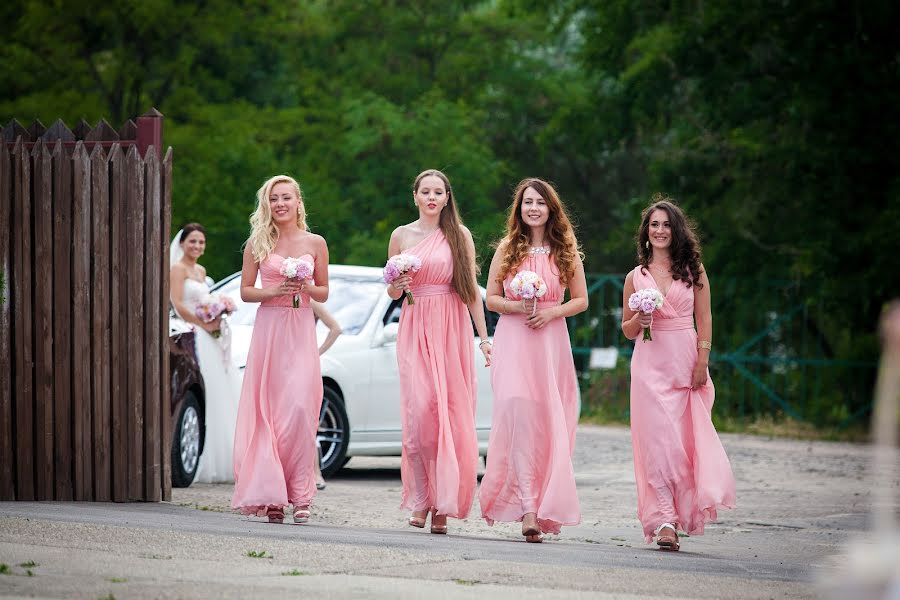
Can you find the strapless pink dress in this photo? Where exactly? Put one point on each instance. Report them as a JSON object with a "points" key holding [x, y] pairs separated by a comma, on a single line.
{"points": [[435, 354], [535, 414], [683, 475], [278, 416]]}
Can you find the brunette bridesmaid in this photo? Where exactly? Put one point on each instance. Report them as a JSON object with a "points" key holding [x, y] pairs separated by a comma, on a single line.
{"points": [[435, 355], [529, 476], [683, 475]]}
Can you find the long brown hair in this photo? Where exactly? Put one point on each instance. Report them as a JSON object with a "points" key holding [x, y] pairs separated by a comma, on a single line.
{"points": [[452, 227], [685, 246], [559, 231]]}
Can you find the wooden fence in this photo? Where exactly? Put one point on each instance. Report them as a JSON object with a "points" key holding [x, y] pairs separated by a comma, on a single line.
{"points": [[84, 392]]}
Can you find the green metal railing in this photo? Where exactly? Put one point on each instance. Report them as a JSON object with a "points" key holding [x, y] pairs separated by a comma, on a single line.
{"points": [[773, 354]]}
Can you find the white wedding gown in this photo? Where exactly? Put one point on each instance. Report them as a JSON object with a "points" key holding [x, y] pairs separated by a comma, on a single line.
{"points": [[223, 391]]}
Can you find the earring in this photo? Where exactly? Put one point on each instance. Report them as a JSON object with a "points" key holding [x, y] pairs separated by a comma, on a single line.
{"points": [[647, 244]]}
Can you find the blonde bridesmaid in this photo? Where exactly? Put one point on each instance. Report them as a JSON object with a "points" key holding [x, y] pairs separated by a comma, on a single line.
{"points": [[529, 476], [436, 357], [278, 416], [683, 475]]}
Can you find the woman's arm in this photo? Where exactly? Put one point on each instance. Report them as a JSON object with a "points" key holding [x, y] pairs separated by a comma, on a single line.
{"points": [[578, 300], [318, 289], [496, 301], [177, 277], [402, 283], [632, 322], [703, 316], [334, 329]]}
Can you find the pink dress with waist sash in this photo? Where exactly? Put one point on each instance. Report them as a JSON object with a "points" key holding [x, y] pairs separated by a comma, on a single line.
{"points": [[683, 475]]}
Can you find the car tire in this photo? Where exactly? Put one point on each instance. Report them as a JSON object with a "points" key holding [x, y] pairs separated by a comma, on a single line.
{"points": [[186, 442], [334, 432]]}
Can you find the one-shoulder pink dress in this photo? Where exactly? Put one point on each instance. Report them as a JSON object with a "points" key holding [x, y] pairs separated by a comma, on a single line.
{"points": [[278, 415], [435, 354], [535, 414], [683, 475]]}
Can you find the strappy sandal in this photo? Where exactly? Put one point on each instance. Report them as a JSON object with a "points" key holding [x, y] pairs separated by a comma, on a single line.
{"points": [[532, 533], [667, 541], [276, 515], [301, 514], [441, 529], [417, 521]]}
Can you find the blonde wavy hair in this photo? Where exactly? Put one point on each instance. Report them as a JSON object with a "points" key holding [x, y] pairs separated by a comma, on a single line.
{"points": [[263, 232], [559, 232], [451, 226]]}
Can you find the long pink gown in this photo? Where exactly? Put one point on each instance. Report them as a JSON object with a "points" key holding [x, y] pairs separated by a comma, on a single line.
{"points": [[535, 413], [278, 415], [683, 475], [435, 354]]}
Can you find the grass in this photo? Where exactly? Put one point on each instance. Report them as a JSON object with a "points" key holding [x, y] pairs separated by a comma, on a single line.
{"points": [[107, 597], [258, 554], [116, 580], [4, 569], [29, 564], [466, 581], [294, 573]]}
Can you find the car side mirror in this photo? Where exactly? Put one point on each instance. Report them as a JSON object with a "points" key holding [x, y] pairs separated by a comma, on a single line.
{"points": [[389, 333]]}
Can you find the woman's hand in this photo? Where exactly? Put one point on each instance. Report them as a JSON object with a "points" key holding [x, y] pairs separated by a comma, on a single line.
{"points": [[698, 377], [402, 283], [645, 319], [540, 318], [288, 287], [213, 325], [487, 348]]}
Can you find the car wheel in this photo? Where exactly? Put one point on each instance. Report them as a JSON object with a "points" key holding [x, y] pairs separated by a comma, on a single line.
{"points": [[334, 432], [186, 442]]}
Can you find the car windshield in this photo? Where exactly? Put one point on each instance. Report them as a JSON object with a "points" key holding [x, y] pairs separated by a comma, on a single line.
{"points": [[350, 300]]}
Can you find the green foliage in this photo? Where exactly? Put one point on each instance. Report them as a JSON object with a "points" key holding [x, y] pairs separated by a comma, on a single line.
{"points": [[770, 123]]}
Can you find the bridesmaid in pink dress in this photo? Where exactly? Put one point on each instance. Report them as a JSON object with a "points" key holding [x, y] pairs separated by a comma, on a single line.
{"points": [[683, 475], [529, 476], [278, 415], [435, 355]]}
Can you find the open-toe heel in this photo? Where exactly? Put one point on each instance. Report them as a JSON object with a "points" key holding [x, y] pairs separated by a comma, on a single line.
{"points": [[301, 514], [530, 528], [418, 519], [438, 523], [667, 537], [276, 515]]}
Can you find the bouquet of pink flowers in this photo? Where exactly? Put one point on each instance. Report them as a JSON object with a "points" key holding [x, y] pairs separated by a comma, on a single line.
{"points": [[212, 306], [398, 265], [646, 301], [297, 268], [528, 285]]}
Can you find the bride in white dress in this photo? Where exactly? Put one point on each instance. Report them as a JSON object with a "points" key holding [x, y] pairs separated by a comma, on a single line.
{"points": [[220, 376]]}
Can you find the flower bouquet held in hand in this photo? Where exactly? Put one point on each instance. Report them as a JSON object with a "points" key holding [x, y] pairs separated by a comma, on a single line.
{"points": [[401, 264], [297, 268], [213, 306], [528, 285], [646, 301]]}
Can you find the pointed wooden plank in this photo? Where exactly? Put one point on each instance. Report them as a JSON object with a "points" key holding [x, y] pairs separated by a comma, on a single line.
{"points": [[153, 332], [100, 331], [58, 131], [13, 130], [44, 369], [81, 306], [149, 132], [118, 324], [103, 132], [128, 131], [64, 453], [36, 129], [134, 267], [23, 343], [165, 373], [81, 129], [7, 460]]}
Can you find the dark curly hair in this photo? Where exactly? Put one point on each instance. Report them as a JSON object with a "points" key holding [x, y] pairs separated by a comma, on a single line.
{"points": [[685, 246]]}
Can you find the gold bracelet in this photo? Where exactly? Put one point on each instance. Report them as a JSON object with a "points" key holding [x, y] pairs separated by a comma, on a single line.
{"points": [[704, 344]]}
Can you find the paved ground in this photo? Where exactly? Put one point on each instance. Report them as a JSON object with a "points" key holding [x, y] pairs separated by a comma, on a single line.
{"points": [[799, 502]]}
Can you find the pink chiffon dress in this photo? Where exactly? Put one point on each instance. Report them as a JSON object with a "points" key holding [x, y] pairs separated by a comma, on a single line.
{"points": [[435, 355], [683, 475], [278, 415], [535, 414]]}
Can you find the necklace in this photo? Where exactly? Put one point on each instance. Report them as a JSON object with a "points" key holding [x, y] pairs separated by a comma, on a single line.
{"points": [[539, 250]]}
